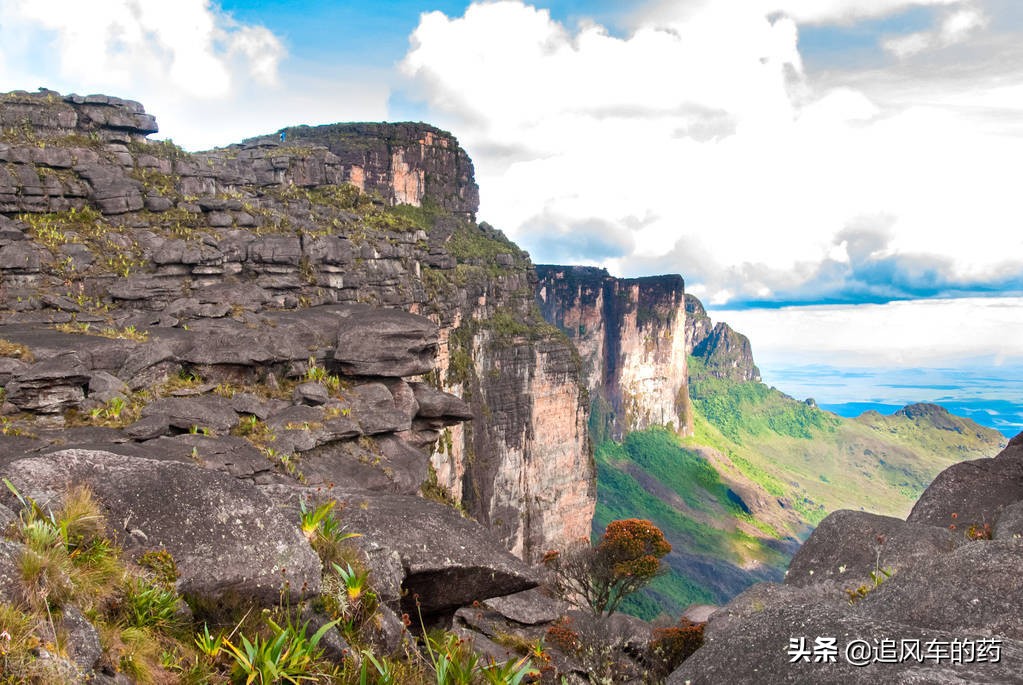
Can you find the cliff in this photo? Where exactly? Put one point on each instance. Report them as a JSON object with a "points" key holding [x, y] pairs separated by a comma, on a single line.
{"points": [[630, 335], [726, 354], [104, 230]]}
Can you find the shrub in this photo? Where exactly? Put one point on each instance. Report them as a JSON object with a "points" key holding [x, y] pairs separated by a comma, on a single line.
{"points": [[669, 647], [599, 578]]}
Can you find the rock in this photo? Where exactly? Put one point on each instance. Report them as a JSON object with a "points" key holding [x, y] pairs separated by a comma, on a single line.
{"points": [[311, 393], [49, 386], [757, 651], [699, 613], [975, 491], [210, 412], [1010, 523], [82, 639], [10, 570], [973, 591], [373, 407], [727, 354], [385, 342], [848, 546], [529, 608], [442, 408], [152, 426], [448, 561], [103, 382], [224, 534]]}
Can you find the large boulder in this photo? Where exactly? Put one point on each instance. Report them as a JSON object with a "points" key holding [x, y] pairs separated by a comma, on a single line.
{"points": [[420, 550], [971, 492], [848, 546], [764, 648], [974, 590], [385, 342], [226, 536]]}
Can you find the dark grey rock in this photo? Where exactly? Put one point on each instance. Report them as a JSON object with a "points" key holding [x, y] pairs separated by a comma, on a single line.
{"points": [[848, 546], [10, 570], [311, 393], [756, 651], [449, 561], [974, 590], [10, 367], [223, 533], [152, 426], [975, 491], [50, 385], [530, 608], [373, 407], [103, 382], [82, 643], [211, 412], [443, 408], [385, 342], [1010, 523]]}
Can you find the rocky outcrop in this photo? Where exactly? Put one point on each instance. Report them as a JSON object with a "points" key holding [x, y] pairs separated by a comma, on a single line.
{"points": [[869, 598], [224, 534], [630, 335], [404, 163], [725, 353], [230, 259]]}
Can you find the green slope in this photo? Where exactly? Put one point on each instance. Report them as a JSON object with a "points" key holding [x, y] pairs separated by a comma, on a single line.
{"points": [[760, 472]]}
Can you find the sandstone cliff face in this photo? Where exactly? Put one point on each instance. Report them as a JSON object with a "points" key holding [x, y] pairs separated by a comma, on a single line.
{"points": [[631, 337], [403, 163], [101, 227]]}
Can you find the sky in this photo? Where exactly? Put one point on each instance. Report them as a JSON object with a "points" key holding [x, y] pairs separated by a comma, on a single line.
{"points": [[836, 178]]}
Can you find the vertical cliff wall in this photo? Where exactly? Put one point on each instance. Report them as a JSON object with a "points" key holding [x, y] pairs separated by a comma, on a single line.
{"points": [[631, 338], [101, 227]]}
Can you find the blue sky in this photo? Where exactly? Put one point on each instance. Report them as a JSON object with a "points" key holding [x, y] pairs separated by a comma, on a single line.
{"points": [[781, 155]]}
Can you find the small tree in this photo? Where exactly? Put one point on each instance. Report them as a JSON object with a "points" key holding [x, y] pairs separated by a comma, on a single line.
{"points": [[626, 559]]}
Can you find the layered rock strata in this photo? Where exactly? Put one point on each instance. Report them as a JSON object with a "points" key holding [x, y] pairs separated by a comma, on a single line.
{"points": [[101, 228]]}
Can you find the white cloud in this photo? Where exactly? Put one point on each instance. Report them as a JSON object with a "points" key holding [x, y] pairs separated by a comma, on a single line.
{"points": [[909, 333], [209, 79], [955, 28], [187, 45], [746, 172]]}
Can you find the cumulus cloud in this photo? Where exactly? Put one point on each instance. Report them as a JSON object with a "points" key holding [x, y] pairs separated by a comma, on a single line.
{"points": [[208, 78], [188, 45], [702, 119]]}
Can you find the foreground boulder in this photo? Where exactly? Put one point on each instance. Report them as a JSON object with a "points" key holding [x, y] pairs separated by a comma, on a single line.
{"points": [[224, 534], [421, 551], [872, 599]]}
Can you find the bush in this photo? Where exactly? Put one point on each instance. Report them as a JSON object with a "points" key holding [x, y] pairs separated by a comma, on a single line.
{"points": [[599, 578], [671, 646]]}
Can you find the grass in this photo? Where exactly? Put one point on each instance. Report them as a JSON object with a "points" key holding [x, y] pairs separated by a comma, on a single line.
{"points": [[15, 350], [69, 560]]}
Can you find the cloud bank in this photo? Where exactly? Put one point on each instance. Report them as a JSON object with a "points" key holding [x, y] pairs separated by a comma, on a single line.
{"points": [[699, 144]]}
